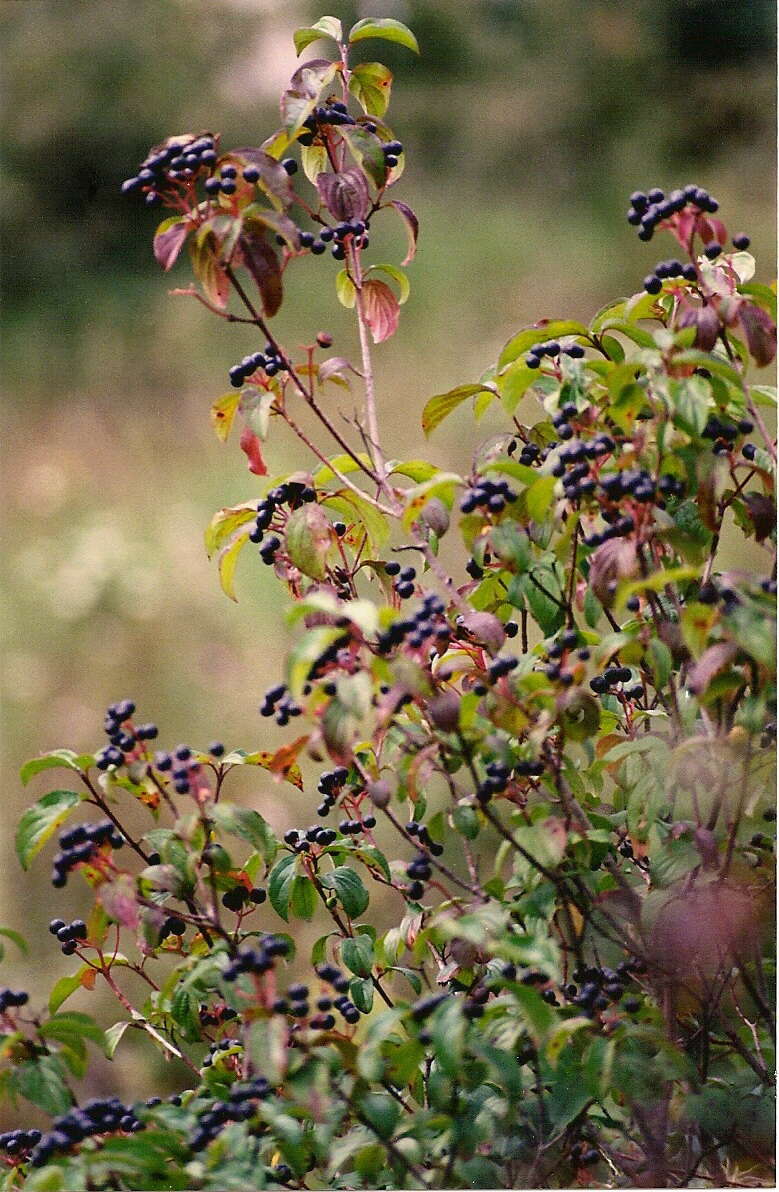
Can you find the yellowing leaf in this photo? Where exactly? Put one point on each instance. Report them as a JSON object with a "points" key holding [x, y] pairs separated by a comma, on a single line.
{"points": [[223, 413]]}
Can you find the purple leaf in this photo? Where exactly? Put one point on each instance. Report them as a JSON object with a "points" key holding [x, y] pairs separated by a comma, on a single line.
{"points": [[169, 240], [263, 264], [412, 228], [760, 331], [346, 194]]}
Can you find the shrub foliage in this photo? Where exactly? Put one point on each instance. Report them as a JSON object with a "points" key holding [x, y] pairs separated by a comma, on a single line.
{"points": [[539, 857]]}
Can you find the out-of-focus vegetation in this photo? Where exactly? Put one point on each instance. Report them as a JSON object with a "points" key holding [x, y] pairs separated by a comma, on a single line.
{"points": [[106, 589]]}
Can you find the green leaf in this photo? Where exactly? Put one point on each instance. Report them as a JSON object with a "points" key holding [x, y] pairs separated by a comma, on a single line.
{"points": [[313, 158], [366, 149], [225, 522], [325, 27], [523, 340], [302, 897], [357, 509], [308, 537], [385, 28], [268, 1047], [280, 885], [349, 888], [361, 993], [357, 954], [248, 825], [227, 561], [371, 85], [440, 406], [73, 1023], [16, 938], [62, 758], [381, 1111], [397, 275], [113, 1037], [344, 288], [514, 382], [41, 1081], [305, 653], [538, 499], [41, 821]]}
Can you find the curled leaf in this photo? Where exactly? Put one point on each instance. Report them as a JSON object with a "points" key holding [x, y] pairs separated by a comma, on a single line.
{"points": [[412, 228]]}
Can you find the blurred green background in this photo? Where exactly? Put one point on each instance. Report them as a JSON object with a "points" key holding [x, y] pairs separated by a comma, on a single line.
{"points": [[527, 123]]}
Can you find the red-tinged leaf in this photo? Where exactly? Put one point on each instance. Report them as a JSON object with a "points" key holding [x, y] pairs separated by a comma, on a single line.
{"points": [[250, 445], [710, 663], [712, 229], [346, 194], [263, 264], [762, 511], [118, 900], [613, 561], [760, 332], [207, 269], [169, 240], [412, 228], [706, 322], [334, 368], [381, 308]]}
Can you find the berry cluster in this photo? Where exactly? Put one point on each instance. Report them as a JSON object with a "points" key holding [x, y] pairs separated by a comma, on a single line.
{"points": [[215, 1016], [530, 454], [80, 845], [217, 1049], [330, 785], [179, 161], [182, 766], [270, 361], [552, 348], [301, 839], [335, 113], [236, 897], [392, 151], [429, 624], [256, 958], [599, 987], [653, 283], [239, 1107], [353, 231], [124, 738], [403, 578], [340, 983], [279, 703], [17, 1143], [68, 934], [418, 872], [491, 495], [724, 435], [498, 774], [11, 999], [650, 209], [94, 1117], [613, 676]]}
